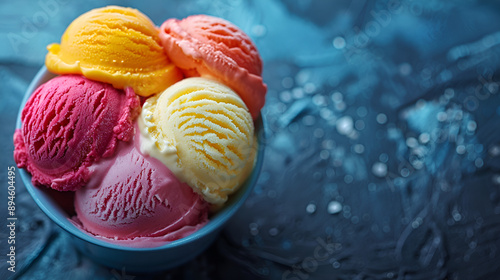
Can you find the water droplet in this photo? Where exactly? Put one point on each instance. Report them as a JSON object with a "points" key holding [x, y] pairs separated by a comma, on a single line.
{"points": [[309, 120], [496, 179], [360, 125], [441, 116], [309, 88], [449, 93], [362, 111], [337, 97], [461, 149], [405, 172], [354, 219], [471, 126], [424, 138], [405, 69], [415, 224], [326, 113], [479, 162], [381, 118], [319, 133], [348, 179], [287, 82], [334, 207], [443, 100], [297, 93], [336, 265], [358, 148], [345, 125], [285, 96], [273, 231], [379, 169], [328, 144], [319, 100], [492, 87], [383, 157], [311, 208], [259, 30], [416, 162], [340, 106], [339, 43], [471, 103], [411, 142], [324, 154]]}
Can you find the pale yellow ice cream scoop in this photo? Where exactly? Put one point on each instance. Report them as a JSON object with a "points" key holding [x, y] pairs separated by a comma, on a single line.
{"points": [[117, 45], [204, 133]]}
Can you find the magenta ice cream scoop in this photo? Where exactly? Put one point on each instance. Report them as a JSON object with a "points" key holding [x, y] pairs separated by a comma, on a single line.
{"points": [[137, 201], [68, 124]]}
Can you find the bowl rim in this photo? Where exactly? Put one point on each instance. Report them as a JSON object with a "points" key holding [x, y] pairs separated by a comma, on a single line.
{"points": [[215, 223]]}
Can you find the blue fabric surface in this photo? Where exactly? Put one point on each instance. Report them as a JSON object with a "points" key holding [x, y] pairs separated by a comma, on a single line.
{"points": [[383, 153]]}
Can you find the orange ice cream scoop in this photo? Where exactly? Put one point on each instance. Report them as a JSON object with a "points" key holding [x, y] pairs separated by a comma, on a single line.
{"points": [[117, 45], [203, 45]]}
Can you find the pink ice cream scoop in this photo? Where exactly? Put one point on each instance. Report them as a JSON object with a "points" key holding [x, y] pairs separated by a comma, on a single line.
{"points": [[68, 124], [203, 45], [135, 200]]}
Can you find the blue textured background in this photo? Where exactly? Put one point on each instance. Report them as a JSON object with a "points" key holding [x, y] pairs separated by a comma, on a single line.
{"points": [[383, 157]]}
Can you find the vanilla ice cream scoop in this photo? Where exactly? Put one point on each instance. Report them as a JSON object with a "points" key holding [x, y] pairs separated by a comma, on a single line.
{"points": [[204, 133]]}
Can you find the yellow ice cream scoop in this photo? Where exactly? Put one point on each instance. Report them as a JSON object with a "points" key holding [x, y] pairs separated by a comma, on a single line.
{"points": [[204, 133], [116, 45]]}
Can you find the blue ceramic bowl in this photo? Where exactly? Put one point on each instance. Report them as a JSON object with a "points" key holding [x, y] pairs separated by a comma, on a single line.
{"points": [[140, 259]]}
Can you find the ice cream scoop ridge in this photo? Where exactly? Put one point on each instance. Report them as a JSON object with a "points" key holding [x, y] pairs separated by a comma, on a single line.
{"points": [[203, 45], [69, 123], [135, 200], [116, 45], [201, 130]]}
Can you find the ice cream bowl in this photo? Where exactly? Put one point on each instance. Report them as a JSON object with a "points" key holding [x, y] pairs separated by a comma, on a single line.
{"points": [[143, 260]]}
